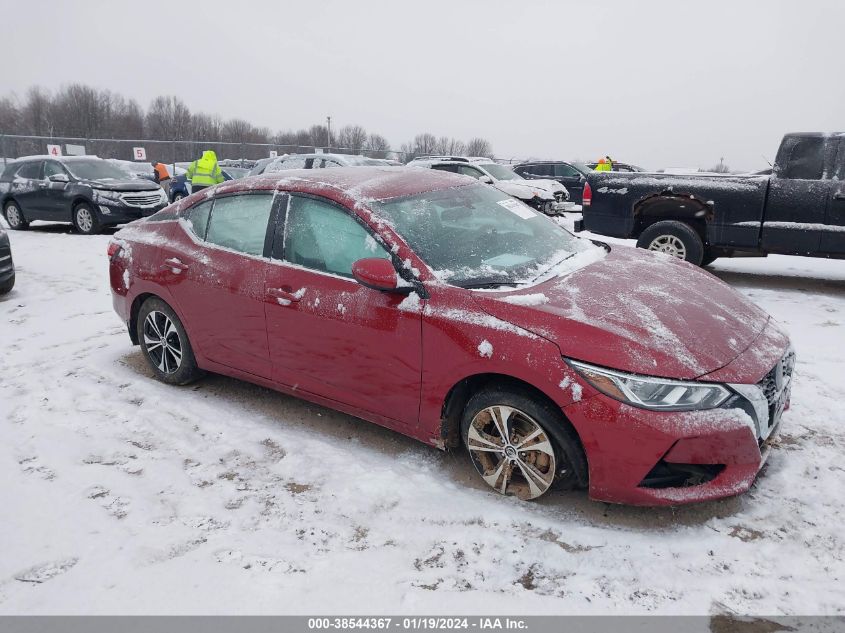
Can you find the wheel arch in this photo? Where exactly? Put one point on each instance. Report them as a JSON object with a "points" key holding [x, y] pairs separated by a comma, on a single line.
{"points": [[137, 302], [681, 207], [460, 393]]}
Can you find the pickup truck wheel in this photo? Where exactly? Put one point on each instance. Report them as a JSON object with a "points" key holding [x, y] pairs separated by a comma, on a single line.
{"points": [[673, 238]]}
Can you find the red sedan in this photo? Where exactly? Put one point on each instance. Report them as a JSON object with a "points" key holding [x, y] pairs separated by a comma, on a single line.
{"points": [[437, 306]]}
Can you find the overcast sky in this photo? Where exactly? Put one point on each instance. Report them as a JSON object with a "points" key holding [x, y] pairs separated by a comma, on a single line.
{"points": [[662, 84]]}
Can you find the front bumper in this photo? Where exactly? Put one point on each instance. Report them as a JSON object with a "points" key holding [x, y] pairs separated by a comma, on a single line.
{"points": [[111, 213], [645, 457]]}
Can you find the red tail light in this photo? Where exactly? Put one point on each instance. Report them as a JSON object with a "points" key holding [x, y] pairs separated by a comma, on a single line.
{"points": [[114, 249], [587, 198]]}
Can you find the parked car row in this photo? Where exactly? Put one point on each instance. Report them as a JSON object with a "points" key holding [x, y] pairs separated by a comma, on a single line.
{"points": [[546, 195], [438, 306]]}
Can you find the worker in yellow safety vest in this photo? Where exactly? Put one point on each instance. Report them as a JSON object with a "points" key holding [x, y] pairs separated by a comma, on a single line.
{"points": [[605, 164], [204, 172]]}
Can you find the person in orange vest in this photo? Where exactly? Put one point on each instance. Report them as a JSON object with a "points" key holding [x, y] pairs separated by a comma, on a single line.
{"points": [[162, 176]]}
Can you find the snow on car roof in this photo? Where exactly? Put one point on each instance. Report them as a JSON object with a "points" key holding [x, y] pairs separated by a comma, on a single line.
{"points": [[362, 183]]}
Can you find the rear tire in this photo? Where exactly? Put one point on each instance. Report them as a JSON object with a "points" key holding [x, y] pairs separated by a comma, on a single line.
{"points": [[85, 219], [520, 465], [14, 216], [6, 286], [165, 343], [674, 238]]}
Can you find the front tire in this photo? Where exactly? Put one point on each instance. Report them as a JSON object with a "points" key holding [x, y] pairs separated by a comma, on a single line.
{"points": [[165, 344], [674, 238], [521, 445], [85, 219], [14, 216]]}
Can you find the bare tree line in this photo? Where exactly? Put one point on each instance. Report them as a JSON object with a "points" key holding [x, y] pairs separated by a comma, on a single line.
{"points": [[81, 111]]}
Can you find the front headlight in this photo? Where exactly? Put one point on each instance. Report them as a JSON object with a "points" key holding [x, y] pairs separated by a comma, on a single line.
{"points": [[106, 195], [647, 392]]}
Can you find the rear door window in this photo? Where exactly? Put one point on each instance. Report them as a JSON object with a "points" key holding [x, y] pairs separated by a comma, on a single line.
{"points": [[324, 237], [562, 170], [239, 222], [30, 170], [805, 159], [197, 217]]}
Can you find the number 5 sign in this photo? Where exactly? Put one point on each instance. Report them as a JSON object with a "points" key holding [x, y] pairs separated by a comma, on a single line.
{"points": [[139, 153]]}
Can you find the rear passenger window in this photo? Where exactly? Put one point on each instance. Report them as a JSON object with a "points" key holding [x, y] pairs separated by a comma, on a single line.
{"points": [[321, 236], [240, 222], [545, 170], [30, 170], [469, 171], [805, 160], [197, 217]]}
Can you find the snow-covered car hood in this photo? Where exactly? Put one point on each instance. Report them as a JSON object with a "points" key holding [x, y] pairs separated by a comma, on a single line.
{"points": [[121, 185], [527, 189], [636, 311]]}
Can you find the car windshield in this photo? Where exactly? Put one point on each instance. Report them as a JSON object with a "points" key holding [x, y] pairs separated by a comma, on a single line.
{"points": [[95, 170], [501, 172], [476, 236]]}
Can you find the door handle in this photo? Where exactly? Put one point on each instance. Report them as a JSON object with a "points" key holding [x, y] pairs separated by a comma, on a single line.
{"points": [[175, 264], [839, 195], [283, 297]]}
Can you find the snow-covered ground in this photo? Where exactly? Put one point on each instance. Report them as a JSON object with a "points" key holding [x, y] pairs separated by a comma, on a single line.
{"points": [[123, 495]]}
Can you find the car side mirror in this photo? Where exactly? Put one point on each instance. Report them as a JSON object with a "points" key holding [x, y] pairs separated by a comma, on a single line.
{"points": [[59, 178], [486, 180], [376, 273]]}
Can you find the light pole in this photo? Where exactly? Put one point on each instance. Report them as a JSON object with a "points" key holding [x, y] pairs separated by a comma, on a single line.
{"points": [[328, 133]]}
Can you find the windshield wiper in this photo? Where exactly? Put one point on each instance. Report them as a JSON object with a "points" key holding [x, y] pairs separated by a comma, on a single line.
{"points": [[486, 283]]}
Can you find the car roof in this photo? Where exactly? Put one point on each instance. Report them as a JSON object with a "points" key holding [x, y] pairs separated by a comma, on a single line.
{"points": [[452, 159], [354, 184]]}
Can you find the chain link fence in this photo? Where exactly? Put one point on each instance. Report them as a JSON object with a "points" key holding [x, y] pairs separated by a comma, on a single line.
{"points": [[14, 146]]}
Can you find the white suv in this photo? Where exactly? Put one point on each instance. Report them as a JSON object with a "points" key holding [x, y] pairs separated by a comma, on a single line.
{"points": [[547, 196]]}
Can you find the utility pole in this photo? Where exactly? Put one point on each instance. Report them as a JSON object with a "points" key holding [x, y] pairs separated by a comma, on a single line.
{"points": [[328, 133]]}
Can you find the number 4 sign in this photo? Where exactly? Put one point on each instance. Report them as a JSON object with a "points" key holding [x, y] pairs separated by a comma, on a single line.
{"points": [[139, 153], [54, 150]]}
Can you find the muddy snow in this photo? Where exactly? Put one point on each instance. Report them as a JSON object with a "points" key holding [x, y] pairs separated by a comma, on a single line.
{"points": [[124, 495]]}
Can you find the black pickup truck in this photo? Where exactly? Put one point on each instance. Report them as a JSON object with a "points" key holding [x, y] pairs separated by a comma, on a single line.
{"points": [[797, 210]]}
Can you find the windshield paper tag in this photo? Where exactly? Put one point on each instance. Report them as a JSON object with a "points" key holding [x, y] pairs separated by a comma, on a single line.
{"points": [[517, 208]]}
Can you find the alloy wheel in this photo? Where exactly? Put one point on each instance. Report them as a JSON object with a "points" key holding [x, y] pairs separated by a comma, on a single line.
{"points": [[511, 451], [670, 245], [84, 219], [162, 342], [13, 216]]}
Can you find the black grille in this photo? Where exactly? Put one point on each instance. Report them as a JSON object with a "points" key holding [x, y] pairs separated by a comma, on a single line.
{"points": [[769, 384]]}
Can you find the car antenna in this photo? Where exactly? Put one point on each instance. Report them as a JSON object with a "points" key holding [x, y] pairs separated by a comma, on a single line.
{"points": [[767, 160]]}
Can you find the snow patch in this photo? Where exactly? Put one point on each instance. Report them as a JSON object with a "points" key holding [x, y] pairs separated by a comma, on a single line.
{"points": [[485, 349], [535, 299]]}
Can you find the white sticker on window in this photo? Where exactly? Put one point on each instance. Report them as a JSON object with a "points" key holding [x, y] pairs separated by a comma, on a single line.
{"points": [[518, 208]]}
